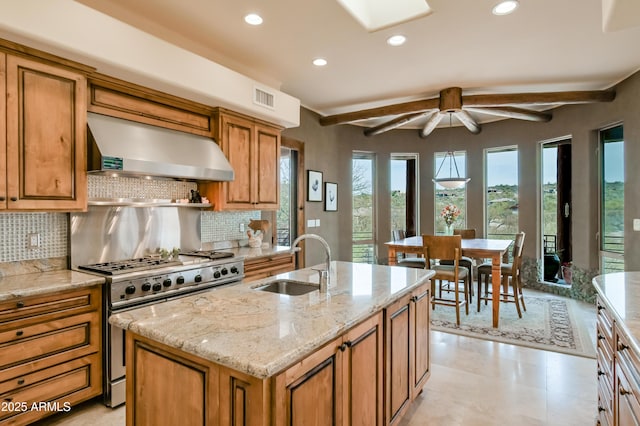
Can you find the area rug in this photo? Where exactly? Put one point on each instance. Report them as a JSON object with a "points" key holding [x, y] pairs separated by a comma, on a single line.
{"points": [[549, 323]]}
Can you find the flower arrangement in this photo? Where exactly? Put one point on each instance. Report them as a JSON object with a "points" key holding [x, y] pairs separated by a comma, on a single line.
{"points": [[450, 213]]}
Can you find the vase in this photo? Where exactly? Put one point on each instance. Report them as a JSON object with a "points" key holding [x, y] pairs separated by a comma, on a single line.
{"points": [[448, 229]]}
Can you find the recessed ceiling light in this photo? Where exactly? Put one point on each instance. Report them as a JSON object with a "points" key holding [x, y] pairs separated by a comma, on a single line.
{"points": [[505, 7], [253, 19], [319, 62], [396, 40]]}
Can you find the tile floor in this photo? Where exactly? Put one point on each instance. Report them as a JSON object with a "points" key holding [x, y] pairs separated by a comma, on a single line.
{"points": [[473, 382]]}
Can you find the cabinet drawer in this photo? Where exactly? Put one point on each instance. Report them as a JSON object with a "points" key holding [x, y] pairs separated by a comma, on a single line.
{"points": [[605, 402], [44, 308], [66, 384], [41, 345], [605, 320], [267, 266]]}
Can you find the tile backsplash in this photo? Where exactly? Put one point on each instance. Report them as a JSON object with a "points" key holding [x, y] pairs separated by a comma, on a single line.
{"points": [[53, 228]]}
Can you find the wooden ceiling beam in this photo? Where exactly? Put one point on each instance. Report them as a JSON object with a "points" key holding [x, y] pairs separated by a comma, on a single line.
{"points": [[402, 108], [513, 112], [431, 124], [468, 121], [541, 98], [396, 122]]}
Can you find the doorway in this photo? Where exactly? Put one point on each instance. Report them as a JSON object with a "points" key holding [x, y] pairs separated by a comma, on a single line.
{"points": [[289, 218], [556, 239]]}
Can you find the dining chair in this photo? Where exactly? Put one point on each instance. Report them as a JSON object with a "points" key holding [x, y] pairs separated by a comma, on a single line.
{"points": [[436, 247], [465, 261], [510, 278], [403, 259]]}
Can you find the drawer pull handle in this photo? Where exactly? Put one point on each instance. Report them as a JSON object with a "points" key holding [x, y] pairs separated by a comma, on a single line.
{"points": [[8, 399], [600, 307], [343, 347], [2, 198], [19, 333], [622, 346], [14, 198], [601, 409], [623, 391], [20, 304], [21, 381], [600, 336], [601, 373]]}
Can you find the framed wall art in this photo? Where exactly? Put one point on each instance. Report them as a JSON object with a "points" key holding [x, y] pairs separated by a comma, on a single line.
{"points": [[314, 185], [330, 197]]}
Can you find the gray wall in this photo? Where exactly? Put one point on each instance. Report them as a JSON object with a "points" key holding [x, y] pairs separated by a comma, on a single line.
{"points": [[329, 149]]}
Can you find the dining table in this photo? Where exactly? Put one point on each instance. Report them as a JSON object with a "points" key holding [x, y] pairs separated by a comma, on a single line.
{"points": [[472, 247]]}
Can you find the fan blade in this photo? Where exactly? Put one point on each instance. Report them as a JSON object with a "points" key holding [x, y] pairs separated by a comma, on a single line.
{"points": [[468, 121], [431, 124], [542, 98], [513, 112], [396, 122], [403, 108]]}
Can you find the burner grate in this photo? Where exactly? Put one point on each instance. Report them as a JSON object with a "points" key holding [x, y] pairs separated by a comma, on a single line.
{"points": [[129, 265]]}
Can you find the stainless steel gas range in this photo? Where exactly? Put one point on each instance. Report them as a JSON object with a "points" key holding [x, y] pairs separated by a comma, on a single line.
{"points": [[120, 243]]}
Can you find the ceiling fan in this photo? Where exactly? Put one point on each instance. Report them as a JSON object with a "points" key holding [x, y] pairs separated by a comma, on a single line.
{"points": [[451, 101]]}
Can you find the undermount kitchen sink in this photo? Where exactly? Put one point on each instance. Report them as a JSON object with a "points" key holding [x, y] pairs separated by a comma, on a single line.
{"points": [[289, 287]]}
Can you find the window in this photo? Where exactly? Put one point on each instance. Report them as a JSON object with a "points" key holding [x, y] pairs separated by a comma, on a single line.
{"points": [[363, 202], [502, 192], [404, 208], [612, 200], [457, 196]]}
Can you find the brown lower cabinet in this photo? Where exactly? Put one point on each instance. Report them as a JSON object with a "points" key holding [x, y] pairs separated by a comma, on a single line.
{"points": [[367, 376], [50, 354], [618, 372]]}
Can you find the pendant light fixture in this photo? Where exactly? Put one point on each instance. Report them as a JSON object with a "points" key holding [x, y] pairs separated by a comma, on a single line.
{"points": [[450, 182]]}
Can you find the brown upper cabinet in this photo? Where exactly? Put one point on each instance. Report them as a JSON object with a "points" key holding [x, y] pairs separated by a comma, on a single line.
{"points": [[117, 98], [253, 149], [42, 136]]}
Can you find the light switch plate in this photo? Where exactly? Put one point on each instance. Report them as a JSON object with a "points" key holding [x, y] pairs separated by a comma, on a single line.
{"points": [[317, 222], [311, 223], [636, 224], [33, 241]]}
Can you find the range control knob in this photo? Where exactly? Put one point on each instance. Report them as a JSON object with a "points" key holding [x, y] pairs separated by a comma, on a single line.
{"points": [[130, 289], [180, 280], [157, 287], [198, 278], [146, 286], [216, 274], [167, 282], [224, 271], [234, 270]]}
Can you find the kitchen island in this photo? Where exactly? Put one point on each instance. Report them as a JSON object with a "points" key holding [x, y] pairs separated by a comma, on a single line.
{"points": [[238, 355]]}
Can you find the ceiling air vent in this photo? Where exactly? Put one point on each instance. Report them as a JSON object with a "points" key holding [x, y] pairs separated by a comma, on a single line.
{"points": [[263, 98]]}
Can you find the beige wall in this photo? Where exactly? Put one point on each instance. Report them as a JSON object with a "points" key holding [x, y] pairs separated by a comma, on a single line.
{"points": [[329, 149]]}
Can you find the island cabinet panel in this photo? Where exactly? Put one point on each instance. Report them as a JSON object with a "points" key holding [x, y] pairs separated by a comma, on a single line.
{"points": [[3, 132], [253, 150], [342, 383], [166, 386], [45, 137], [406, 351], [50, 352], [267, 266], [627, 377]]}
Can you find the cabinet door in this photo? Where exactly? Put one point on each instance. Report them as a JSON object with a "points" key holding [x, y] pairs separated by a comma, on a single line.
{"points": [[3, 133], [398, 329], [237, 138], [46, 137], [421, 361], [268, 164], [363, 375], [310, 392]]}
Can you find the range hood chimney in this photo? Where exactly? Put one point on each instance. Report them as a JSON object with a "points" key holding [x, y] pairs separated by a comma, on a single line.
{"points": [[129, 148]]}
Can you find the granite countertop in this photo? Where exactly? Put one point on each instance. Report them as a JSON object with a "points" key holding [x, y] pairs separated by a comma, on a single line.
{"points": [[261, 333], [39, 283], [250, 252], [620, 291]]}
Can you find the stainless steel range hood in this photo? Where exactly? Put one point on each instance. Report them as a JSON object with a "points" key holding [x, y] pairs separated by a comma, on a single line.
{"points": [[129, 148]]}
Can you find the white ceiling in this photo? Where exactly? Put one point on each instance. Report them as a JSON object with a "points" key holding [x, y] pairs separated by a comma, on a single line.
{"points": [[546, 45]]}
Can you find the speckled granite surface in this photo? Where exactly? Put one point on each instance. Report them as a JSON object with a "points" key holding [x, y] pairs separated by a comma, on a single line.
{"points": [[261, 333], [620, 292], [39, 283]]}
